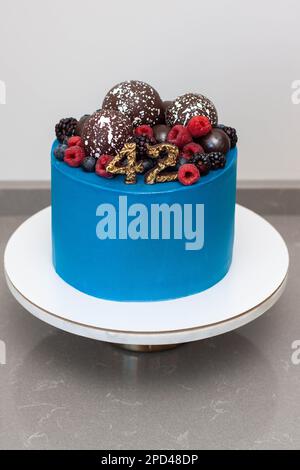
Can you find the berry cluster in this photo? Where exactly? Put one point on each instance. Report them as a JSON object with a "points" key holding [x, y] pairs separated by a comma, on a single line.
{"points": [[72, 152], [202, 147]]}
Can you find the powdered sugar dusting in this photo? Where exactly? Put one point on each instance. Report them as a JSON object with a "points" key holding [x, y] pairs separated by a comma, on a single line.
{"points": [[106, 132], [138, 100], [189, 105]]}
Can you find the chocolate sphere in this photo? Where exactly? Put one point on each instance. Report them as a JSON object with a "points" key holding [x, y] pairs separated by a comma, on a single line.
{"points": [[166, 105], [137, 100], [106, 132], [189, 105], [215, 141], [161, 132], [81, 123]]}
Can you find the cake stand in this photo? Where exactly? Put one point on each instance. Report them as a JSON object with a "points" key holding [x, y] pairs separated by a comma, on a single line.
{"points": [[255, 281]]}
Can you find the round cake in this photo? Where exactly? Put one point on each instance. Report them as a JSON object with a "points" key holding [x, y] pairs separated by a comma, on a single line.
{"points": [[143, 213]]}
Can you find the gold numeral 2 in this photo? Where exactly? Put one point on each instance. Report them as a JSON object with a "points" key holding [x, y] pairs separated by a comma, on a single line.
{"points": [[170, 160]]}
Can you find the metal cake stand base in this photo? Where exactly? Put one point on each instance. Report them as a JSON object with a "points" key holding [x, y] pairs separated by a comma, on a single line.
{"points": [[255, 281], [148, 348]]}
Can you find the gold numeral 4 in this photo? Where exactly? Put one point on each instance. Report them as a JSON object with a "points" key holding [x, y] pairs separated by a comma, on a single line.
{"points": [[125, 164]]}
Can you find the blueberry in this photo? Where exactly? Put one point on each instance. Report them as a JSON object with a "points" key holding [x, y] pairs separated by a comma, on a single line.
{"points": [[59, 152], [148, 164], [181, 161], [89, 164]]}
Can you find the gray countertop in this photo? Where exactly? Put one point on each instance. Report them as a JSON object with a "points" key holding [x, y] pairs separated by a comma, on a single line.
{"points": [[238, 390]]}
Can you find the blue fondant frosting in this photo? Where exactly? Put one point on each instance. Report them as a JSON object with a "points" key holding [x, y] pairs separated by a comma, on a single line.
{"points": [[142, 242]]}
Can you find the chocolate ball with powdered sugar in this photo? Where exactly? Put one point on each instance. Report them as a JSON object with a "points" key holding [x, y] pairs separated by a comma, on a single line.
{"points": [[137, 100], [189, 105], [106, 132]]}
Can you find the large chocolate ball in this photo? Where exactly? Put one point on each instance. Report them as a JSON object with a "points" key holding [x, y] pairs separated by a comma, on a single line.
{"points": [[81, 123], [189, 105], [106, 132], [166, 105], [215, 141], [137, 100], [161, 132]]}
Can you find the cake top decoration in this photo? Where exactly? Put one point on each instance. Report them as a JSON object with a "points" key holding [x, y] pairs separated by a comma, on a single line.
{"points": [[136, 132], [138, 100], [105, 132], [189, 105]]}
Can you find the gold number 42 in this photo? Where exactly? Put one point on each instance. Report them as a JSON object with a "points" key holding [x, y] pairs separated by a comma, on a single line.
{"points": [[125, 163]]}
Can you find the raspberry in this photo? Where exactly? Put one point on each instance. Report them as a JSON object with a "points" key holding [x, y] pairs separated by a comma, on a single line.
{"points": [[190, 149], [74, 156], [75, 140], [199, 126], [101, 165], [144, 130], [188, 174], [179, 136]]}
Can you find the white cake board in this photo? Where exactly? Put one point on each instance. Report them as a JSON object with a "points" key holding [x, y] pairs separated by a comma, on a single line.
{"points": [[253, 284]]}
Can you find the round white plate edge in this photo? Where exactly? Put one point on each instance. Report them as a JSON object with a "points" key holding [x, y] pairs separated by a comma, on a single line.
{"points": [[195, 332], [155, 338]]}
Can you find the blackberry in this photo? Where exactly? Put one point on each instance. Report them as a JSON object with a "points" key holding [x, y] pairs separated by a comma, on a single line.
{"points": [[231, 132], [217, 160], [142, 141], [65, 128], [202, 162]]}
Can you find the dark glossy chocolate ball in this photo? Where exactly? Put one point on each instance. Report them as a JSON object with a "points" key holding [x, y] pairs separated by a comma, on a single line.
{"points": [[137, 100], [80, 124], [215, 141], [106, 132], [166, 105], [161, 132], [189, 105]]}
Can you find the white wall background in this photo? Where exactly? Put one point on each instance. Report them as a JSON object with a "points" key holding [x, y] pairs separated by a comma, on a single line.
{"points": [[58, 58]]}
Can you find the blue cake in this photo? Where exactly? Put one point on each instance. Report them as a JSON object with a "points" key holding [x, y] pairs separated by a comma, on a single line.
{"points": [[143, 197]]}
